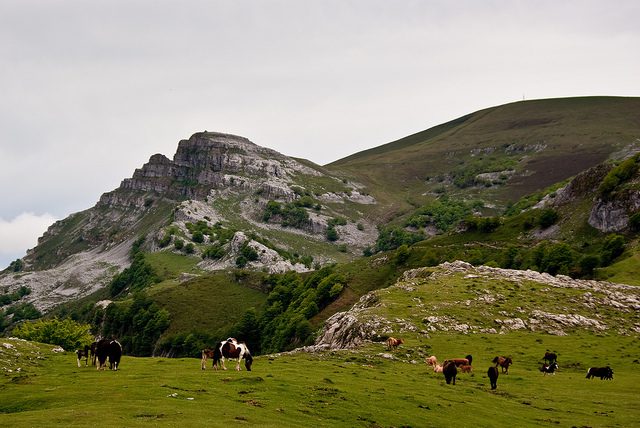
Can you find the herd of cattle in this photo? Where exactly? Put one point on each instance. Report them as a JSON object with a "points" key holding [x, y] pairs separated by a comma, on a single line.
{"points": [[450, 367], [111, 349], [99, 352]]}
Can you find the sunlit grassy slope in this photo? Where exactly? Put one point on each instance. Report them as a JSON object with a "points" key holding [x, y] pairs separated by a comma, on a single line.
{"points": [[370, 386], [357, 389]]}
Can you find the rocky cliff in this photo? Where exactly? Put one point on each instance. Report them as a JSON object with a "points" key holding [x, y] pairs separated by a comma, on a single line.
{"points": [[213, 179], [209, 160]]}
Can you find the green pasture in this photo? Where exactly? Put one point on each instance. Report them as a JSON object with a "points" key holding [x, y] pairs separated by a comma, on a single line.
{"points": [[371, 387]]}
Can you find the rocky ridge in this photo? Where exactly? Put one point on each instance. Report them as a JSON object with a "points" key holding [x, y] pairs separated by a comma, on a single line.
{"points": [[366, 320], [80, 254]]}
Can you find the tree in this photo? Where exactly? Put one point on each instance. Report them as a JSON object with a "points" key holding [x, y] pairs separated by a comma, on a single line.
{"points": [[66, 333]]}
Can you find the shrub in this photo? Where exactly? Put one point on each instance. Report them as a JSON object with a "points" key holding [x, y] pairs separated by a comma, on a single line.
{"points": [[613, 247], [65, 333], [392, 237], [197, 237], [332, 234], [547, 218], [166, 240]]}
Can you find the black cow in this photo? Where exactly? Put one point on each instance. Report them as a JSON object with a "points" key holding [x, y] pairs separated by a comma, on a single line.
{"points": [[450, 372], [601, 372], [111, 349], [94, 351], [493, 373], [83, 353], [550, 357]]}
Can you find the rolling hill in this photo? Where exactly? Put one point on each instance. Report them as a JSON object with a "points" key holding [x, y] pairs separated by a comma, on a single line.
{"points": [[232, 238]]}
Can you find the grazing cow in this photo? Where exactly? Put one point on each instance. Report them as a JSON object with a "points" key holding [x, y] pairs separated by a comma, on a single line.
{"points": [[601, 372], [466, 369], [549, 368], [231, 348], [493, 374], [460, 361], [111, 349], [93, 350], [83, 353], [550, 357], [206, 353], [432, 360], [450, 372], [503, 362], [393, 343], [437, 368]]}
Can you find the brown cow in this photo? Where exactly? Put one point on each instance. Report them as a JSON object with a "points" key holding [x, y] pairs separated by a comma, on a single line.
{"points": [[393, 343], [466, 369], [206, 353], [460, 361]]}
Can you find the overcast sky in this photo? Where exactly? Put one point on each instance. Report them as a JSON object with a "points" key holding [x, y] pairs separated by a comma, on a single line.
{"points": [[89, 90]]}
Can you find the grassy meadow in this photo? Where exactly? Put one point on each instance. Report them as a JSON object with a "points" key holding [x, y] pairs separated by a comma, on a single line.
{"points": [[370, 387]]}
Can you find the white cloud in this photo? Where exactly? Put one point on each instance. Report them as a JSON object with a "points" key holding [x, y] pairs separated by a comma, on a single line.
{"points": [[21, 233]]}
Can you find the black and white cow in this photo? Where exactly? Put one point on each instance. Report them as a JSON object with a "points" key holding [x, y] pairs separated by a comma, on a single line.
{"points": [[107, 348], [83, 353], [601, 372], [549, 368]]}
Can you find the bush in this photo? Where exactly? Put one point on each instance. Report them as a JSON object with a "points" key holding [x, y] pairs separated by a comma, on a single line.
{"points": [[618, 175], [166, 240], [613, 247], [197, 237], [547, 218], [392, 237], [332, 234], [65, 333]]}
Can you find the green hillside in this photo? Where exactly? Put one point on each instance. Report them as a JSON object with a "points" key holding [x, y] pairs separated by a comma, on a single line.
{"points": [[446, 312], [534, 144]]}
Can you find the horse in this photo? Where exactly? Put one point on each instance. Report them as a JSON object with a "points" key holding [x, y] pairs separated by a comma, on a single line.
{"points": [[83, 353], [111, 349], [503, 362], [231, 348], [493, 374], [392, 342]]}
